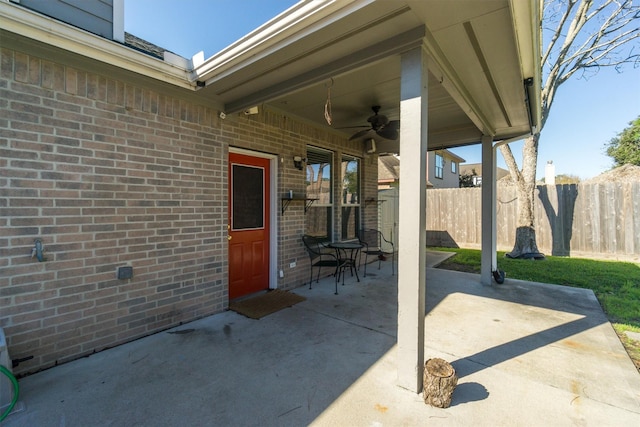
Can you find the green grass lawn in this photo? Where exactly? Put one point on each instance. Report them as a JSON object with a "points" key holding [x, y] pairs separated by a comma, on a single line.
{"points": [[615, 284]]}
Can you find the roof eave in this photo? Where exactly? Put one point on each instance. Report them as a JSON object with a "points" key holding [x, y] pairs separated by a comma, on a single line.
{"points": [[296, 22], [33, 25]]}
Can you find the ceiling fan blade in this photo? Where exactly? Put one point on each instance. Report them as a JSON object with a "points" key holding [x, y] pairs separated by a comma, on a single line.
{"points": [[393, 124], [359, 134], [354, 127], [388, 133]]}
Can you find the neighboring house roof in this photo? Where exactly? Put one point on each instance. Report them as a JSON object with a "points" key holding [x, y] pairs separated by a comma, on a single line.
{"points": [[449, 155], [144, 46], [388, 169], [469, 168], [624, 173], [389, 166]]}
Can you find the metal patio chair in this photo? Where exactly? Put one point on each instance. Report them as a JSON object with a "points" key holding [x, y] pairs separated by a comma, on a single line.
{"points": [[374, 243], [323, 256]]}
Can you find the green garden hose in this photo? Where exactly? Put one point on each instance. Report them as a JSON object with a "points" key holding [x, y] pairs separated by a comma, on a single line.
{"points": [[16, 390]]}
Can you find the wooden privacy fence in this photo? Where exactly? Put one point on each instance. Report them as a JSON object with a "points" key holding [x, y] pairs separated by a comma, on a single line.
{"points": [[597, 220]]}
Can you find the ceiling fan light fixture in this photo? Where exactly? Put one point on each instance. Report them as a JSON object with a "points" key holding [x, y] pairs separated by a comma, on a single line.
{"points": [[381, 125]]}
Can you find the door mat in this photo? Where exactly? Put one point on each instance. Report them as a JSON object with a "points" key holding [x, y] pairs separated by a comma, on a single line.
{"points": [[265, 304]]}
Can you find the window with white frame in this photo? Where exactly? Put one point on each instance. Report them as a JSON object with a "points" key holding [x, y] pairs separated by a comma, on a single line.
{"points": [[439, 166], [350, 169], [454, 167], [319, 217]]}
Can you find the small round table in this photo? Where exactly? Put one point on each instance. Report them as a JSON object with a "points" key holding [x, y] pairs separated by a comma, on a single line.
{"points": [[347, 252]]}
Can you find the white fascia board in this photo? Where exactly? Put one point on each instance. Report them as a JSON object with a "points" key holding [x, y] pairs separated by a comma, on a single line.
{"points": [[300, 20], [47, 30]]}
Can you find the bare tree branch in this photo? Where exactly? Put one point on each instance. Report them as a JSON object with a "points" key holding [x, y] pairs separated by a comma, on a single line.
{"points": [[600, 48], [558, 29], [510, 160]]}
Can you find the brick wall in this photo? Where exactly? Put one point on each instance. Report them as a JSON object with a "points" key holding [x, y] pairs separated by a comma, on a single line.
{"points": [[108, 174]]}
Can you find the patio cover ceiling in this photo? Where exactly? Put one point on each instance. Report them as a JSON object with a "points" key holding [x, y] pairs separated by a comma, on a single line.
{"points": [[480, 52], [480, 55]]}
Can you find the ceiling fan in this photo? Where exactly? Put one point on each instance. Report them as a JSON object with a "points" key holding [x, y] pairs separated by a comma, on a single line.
{"points": [[380, 125]]}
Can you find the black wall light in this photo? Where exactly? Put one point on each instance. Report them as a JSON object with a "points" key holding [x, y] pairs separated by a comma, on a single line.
{"points": [[298, 162]]}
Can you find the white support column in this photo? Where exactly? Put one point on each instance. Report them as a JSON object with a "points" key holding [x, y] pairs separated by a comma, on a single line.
{"points": [[412, 222], [489, 261]]}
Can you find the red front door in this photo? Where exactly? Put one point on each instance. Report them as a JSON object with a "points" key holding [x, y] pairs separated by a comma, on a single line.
{"points": [[248, 224]]}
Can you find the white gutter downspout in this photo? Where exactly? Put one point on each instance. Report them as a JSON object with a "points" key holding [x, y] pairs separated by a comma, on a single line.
{"points": [[489, 258]]}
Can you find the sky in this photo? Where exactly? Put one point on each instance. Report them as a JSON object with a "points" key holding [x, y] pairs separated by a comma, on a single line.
{"points": [[586, 115]]}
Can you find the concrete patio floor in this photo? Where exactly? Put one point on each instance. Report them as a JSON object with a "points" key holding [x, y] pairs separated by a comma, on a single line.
{"points": [[526, 354]]}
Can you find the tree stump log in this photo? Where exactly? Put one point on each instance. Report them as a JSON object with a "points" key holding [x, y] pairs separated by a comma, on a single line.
{"points": [[440, 380]]}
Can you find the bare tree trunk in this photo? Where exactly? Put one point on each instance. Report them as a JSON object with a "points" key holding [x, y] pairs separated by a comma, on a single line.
{"points": [[525, 245]]}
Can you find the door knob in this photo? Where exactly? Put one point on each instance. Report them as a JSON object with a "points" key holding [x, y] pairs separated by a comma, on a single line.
{"points": [[228, 237]]}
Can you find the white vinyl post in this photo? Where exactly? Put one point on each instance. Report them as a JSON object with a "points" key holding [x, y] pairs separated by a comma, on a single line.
{"points": [[412, 222], [488, 260]]}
